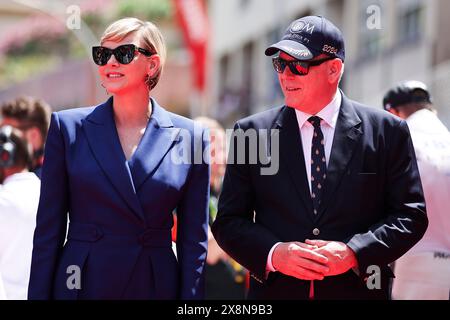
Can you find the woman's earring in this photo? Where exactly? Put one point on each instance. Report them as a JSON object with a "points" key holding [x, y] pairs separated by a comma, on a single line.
{"points": [[150, 82]]}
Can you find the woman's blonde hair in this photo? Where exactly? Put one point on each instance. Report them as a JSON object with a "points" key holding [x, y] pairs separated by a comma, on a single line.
{"points": [[149, 35]]}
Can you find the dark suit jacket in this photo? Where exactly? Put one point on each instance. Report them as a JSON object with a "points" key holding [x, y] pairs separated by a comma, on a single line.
{"points": [[120, 211], [372, 201]]}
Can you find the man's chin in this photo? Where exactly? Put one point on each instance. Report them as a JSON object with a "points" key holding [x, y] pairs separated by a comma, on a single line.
{"points": [[296, 106], [294, 103]]}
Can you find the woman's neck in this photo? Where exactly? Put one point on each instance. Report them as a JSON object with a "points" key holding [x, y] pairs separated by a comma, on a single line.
{"points": [[132, 109]]}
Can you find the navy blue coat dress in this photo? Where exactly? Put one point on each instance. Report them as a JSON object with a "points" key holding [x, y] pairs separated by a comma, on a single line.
{"points": [[108, 221]]}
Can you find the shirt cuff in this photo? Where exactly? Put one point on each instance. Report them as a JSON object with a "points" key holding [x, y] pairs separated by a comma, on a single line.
{"points": [[269, 266]]}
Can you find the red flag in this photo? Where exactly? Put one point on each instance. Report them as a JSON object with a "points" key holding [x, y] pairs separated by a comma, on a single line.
{"points": [[193, 21]]}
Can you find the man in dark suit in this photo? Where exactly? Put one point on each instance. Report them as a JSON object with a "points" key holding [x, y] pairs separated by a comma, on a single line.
{"points": [[345, 199]]}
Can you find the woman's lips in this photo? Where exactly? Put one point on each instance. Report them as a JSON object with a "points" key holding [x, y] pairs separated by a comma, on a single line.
{"points": [[114, 75]]}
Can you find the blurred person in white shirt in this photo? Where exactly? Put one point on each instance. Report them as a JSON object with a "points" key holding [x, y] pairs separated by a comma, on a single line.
{"points": [[19, 198], [423, 273], [2, 289]]}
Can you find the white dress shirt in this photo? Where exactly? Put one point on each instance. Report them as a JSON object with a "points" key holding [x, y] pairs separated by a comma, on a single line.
{"points": [[329, 116], [19, 198]]}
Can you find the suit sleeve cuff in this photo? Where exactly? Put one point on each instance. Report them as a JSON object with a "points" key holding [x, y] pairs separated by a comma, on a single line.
{"points": [[354, 246]]}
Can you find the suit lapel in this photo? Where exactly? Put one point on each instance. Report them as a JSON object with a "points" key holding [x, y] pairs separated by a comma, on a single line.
{"points": [[292, 154], [101, 134], [346, 137], [154, 145]]}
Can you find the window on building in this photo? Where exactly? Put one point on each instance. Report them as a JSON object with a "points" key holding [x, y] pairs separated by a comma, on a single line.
{"points": [[410, 20], [273, 92], [244, 3], [228, 100], [248, 77], [441, 46], [224, 70]]}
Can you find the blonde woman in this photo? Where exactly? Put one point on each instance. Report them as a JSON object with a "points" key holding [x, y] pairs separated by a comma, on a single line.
{"points": [[113, 168]]}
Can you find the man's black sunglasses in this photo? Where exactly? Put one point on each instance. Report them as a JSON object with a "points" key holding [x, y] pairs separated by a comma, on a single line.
{"points": [[297, 67], [124, 54]]}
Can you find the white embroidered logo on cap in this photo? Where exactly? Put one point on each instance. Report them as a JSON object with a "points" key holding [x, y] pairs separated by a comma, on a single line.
{"points": [[300, 26], [301, 53]]}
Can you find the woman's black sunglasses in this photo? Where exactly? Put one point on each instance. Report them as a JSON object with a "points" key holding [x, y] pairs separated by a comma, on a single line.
{"points": [[124, 54], [297, 67]]}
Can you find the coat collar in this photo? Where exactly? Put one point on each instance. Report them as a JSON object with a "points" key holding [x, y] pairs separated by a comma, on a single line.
{"points": [[128, 176], [347, 134], [104, 113], [346, 137]]}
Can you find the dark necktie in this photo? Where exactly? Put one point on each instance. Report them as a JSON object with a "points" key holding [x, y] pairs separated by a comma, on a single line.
{"points": [[318, 163]]}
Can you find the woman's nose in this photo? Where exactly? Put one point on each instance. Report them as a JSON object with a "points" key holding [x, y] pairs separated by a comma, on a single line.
{"points": [[113, 61]]}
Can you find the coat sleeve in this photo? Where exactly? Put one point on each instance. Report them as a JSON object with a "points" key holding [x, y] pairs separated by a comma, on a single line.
{"points": [[51, 220], [406, 220], [192, 225], [234, 229]]}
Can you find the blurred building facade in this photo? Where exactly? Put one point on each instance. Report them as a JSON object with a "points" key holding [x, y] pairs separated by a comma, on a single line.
{"points": [[73, 82], [386, 42]]}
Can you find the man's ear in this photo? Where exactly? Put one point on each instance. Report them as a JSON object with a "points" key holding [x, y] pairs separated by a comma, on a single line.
{"points": [[153, 65], [334, 70]]}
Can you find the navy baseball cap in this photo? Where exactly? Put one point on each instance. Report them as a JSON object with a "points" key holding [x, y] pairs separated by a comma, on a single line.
{"points": [[406, 92], [309, 37]]}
